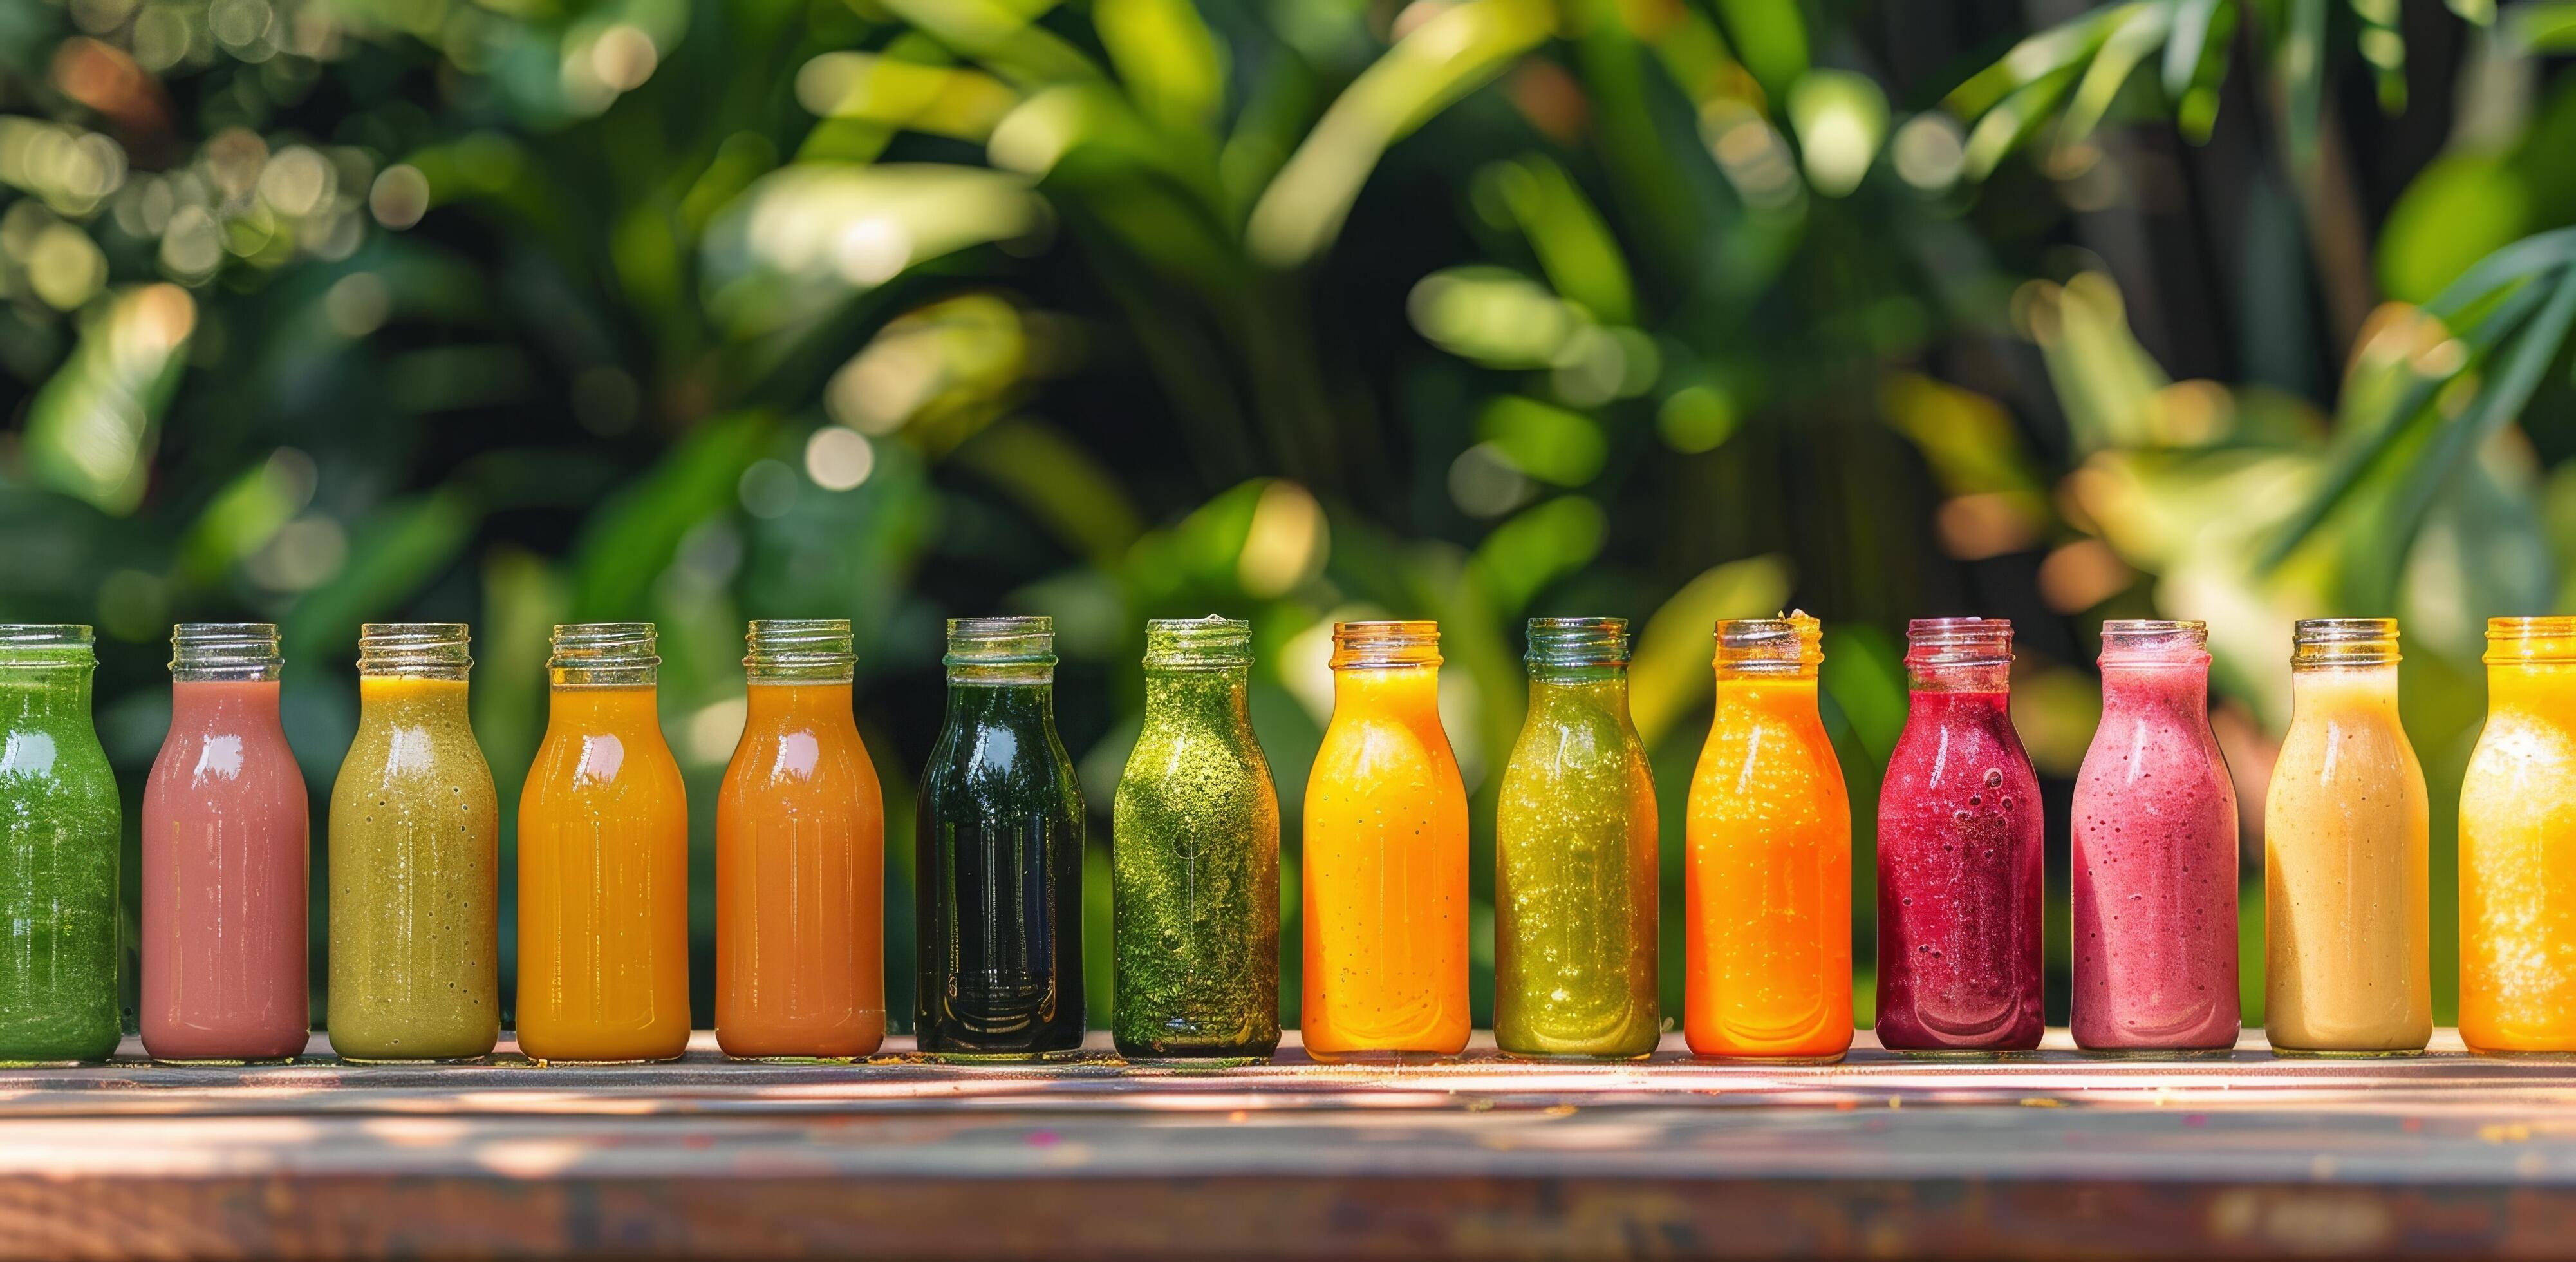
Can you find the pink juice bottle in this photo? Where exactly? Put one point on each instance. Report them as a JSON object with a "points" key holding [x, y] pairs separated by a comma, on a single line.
{"points": [[1959, 858], [225, 836], [2155, 853]]}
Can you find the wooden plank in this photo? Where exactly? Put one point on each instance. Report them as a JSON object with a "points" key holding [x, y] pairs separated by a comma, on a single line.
{"points": [[2247, 1155]]}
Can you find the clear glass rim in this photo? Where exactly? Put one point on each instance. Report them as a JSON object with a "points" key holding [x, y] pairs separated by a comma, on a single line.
{"points": [[1386, 642], [59, 645], [2533, 639], [2147, 642], [1214, 642], [415, 650], [211, 651], [1932, 643], [2331, 642], [1790, 644], [1577, 643], [799, 650]]}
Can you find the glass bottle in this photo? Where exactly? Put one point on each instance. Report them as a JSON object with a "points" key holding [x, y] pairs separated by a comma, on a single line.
{"points": [[1575, 872], [2518, 846], [2349, 951], [1767, 886], [999, 855], [800, 857], [1195, 856], [226, 845], [1385, 856], [2154, 853], [61, 833], [603, 860], [414, 855], [1959, 858]]}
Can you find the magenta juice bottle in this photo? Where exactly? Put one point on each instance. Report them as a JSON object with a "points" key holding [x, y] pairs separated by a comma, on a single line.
{"points": [[1959, 858], [2155, 853], [225, 837]]}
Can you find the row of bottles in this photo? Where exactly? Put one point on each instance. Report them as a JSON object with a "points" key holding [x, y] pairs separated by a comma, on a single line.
{"points": [[603, 852]]}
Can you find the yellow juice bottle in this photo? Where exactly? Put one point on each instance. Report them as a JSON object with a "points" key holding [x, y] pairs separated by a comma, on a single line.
{"points": [[2348, 948], [2518, 846], [603, 862], [1385, 864], [1767, 971]]}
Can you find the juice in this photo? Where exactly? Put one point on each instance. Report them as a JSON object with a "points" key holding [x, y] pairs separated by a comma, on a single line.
{"points": [[2155, 853], [800, 858], [415, 839], [1767, 886], [2344, 872], [998, 855], [225, 842], [1959, 858], [1195, 856], [2518, 846], [1385, 863], [60, 833], [603, 861], [1575, 876]]}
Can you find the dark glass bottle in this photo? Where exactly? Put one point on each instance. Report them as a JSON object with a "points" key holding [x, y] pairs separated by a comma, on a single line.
{"points": [[998, 840], [1195, 858]]}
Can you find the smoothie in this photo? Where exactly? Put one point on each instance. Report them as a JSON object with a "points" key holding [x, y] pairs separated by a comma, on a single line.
{"points": [[800, 858], [225, 838], [1959, 854], [2518, 846], [60, 829], [2348, 951], [2154, 848]]}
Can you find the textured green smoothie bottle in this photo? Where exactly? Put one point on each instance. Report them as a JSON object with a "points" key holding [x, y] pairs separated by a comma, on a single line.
{"points": [[1574, 849], [1195, 856], [61, 830]]}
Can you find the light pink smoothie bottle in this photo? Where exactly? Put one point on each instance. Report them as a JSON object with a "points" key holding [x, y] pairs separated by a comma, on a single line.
{"points": [[225, 840], [2155, 853]]}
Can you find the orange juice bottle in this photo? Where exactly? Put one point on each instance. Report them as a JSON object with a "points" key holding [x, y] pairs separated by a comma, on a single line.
{"points": [[800, 858], [603, 861], [1767, 887], [1385, 864]]}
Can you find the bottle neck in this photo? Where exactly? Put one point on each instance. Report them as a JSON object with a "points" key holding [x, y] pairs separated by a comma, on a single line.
{"points": [[1549, 674], [1026, 702], [47, 692], [1391, 687], [1973, 677], [2371, 686], [1198, 694], [2181, 683], [799, 702], [399, 696], [624, 705], [225, 700]]}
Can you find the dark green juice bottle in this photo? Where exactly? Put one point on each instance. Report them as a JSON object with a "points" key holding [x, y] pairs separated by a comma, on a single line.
{"points": [[998, 837], [1574, 849], [61, 831], [1195, 856]]}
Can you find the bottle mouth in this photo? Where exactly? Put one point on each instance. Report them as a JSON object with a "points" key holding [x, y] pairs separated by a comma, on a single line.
{"points": [[2326, 642], [47, 644], [1210, 643], [2154, 642], [416, 650], [816, 649], [1001, 650], [225, 651], [604, 653], [1932, 643], [2532, 641], [1790, 644], [1375, 644], [1578, 642]]}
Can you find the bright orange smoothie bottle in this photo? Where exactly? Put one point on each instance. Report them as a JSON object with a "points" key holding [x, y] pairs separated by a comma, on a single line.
{"points": [[2518, 846], [800, 858], [1385, 864], [603, 861], [1767, 886]]}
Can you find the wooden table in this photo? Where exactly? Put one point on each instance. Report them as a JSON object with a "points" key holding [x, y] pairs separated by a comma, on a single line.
{"points": [[2042, 1156]]}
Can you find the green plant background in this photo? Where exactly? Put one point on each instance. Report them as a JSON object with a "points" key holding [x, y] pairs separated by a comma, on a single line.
{"points": [[527, 311]]}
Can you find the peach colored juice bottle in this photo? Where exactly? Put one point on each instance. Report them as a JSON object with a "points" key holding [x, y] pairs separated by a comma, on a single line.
{"points": [[415, 836], [1767, 884], [2348, 948], [225, 841], [800, 858], [1385, 863], [603, 861], [2518, 846]]}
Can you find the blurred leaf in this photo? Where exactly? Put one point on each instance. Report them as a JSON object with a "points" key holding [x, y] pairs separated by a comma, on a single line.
{"points": [[1059, 484], [1967, 438], [1544, 441], [2300, 61], [1671, 669], [245, 515], [1574, 246], [1771, 38], [90, 429], [2135, 38], [1458, 49], [2459, 209], [632, 537], [903, 94], [1539, 545], [1001, 35], [2383, 45], [1167, 58], [394, 552], [2541, 26]]}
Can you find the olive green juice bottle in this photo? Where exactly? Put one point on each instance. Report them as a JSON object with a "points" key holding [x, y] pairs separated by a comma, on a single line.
{"points": [[1194, 856], [415, 919], [1575, 877], [61, 833]]}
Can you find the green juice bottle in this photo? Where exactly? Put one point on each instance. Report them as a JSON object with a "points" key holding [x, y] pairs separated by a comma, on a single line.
{"points": [[1195, 856], [61, 833], [1574, 848], [415, 863]]}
